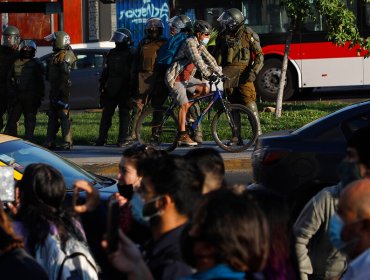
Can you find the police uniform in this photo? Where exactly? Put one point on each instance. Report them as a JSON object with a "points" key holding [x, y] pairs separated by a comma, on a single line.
{"points": [[116, 82], [26, 89], [59, 76], [149, 85], [241, 57], [7, 58]]}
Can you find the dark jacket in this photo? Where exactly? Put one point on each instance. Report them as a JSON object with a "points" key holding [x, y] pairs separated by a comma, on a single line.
{"points": [[163, 256], [18, 265]]}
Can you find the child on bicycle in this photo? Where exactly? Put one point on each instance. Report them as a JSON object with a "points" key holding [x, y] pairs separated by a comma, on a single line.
{"points": [[192, 56]]}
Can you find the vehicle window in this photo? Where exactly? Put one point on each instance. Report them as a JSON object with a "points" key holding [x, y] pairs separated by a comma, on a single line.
{"points": [[98, 60], [354, 124], [85, 61], [20, 154]]}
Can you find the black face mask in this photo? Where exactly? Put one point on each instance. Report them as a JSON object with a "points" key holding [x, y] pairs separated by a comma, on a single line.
{"points": [[27, 53], [127, 191], [348, 172]]}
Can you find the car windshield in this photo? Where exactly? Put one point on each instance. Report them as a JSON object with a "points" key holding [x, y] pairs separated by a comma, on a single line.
{"points": [[19, 154]]}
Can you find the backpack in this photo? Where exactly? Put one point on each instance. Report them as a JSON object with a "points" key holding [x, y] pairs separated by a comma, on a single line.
{"points": [[168, 51], [76, 263]]}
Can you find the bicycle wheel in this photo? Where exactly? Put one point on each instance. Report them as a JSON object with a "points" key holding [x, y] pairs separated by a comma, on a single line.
{"points": [[156, 129], [234, 131]]}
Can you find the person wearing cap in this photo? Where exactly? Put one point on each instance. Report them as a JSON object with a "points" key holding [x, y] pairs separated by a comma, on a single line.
{"points": [[144, 62], [191, 56], [239, 52], [8, 54], [59, 77], [26, 90], [117, 87]]}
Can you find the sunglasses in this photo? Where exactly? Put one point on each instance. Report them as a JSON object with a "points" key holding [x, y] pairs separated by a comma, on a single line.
{"points": [[207, 34]]}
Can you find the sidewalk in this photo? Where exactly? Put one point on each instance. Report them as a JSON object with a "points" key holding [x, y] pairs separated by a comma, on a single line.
{"points": [[104, 160]]}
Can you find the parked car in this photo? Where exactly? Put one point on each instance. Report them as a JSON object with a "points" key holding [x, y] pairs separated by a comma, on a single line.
{"points": [[84, 76], [299, 163], [18, 153]]}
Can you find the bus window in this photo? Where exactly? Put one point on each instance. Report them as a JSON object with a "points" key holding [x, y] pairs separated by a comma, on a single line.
{"points": [[265, 16], [367, 15]]}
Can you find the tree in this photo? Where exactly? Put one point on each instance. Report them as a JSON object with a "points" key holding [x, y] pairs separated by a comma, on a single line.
{"points": [[341, 24]]}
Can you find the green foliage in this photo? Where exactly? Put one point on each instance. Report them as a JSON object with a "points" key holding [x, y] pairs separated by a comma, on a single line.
{"points": [[85, 125], [340, 20]]}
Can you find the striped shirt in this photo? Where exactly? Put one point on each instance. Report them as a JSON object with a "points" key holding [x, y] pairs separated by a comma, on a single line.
{"points": [[192, 52]]}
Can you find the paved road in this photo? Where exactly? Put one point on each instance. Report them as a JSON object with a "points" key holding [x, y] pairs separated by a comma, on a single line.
{"points": [[104, 160]]}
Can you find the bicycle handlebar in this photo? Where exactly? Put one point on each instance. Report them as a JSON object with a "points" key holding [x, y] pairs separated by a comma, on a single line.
{"points": [[222, 78]]}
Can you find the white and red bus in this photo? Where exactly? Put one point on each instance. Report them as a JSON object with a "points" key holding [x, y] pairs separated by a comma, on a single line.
{"points": [[313, 61]]}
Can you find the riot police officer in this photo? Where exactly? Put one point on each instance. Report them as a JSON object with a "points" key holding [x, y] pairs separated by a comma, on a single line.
{"points": [[8, 54], [144, 61], [116, 87], [26, 89], [59, 77], [239, 53]]}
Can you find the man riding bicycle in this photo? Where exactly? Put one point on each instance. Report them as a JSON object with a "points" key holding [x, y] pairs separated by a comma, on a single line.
{"points": [[192, 56]]}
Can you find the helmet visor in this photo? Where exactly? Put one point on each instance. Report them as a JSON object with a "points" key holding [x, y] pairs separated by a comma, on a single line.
{"points": [[10, 40], [28, 44], [119, 37], [226, 20], [50, 37], [176, 22]]}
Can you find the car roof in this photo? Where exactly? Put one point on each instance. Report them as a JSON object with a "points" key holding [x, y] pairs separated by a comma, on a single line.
{"points": [[7, 138], [338, 116]]}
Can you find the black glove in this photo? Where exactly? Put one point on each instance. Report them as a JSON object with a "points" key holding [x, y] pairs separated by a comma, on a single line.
{"points": [[213, 78]]}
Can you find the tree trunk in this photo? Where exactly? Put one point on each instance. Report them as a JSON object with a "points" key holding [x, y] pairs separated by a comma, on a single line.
{"points": [[279, 100]]}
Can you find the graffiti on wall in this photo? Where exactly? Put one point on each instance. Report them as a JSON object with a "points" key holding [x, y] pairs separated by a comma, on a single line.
{"points": [[147, 10]]}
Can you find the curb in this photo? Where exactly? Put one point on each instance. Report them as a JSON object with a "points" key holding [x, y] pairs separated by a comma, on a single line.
{"points": [[110, 169]]}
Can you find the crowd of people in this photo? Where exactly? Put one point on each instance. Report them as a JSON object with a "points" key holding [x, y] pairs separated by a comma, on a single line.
{"points": [[176, 216], [133, 77]]}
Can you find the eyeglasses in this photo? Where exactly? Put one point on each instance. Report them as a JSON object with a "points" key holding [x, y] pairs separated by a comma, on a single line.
{"points": [[207, 34]]}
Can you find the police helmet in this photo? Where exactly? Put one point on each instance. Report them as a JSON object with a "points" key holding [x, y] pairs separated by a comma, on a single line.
{"points": [[10, 37], [27, 49], [60, 39], [230, 19], [180, 23], [154, 27], [202, 26], [122, 35]]}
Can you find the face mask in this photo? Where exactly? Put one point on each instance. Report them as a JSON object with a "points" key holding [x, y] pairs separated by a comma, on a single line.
{"points": [[336, 225], [348, 172], [205, 41], [150, 211], [335, 229]]}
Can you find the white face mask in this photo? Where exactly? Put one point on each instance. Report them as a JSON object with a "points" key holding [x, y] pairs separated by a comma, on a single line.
{"points": [[205, 41]]}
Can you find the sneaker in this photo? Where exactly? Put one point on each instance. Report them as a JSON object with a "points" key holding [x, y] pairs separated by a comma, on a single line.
{"points": [[185, 140], [124, 143], [65, 147], [235, 141]]}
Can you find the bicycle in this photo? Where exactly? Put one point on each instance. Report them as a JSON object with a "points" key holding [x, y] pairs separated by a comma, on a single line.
{"points": [[233, 127]]}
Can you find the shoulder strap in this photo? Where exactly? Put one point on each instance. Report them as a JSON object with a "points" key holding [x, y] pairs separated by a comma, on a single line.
{"points": [[71, 256], [245, 38]]}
